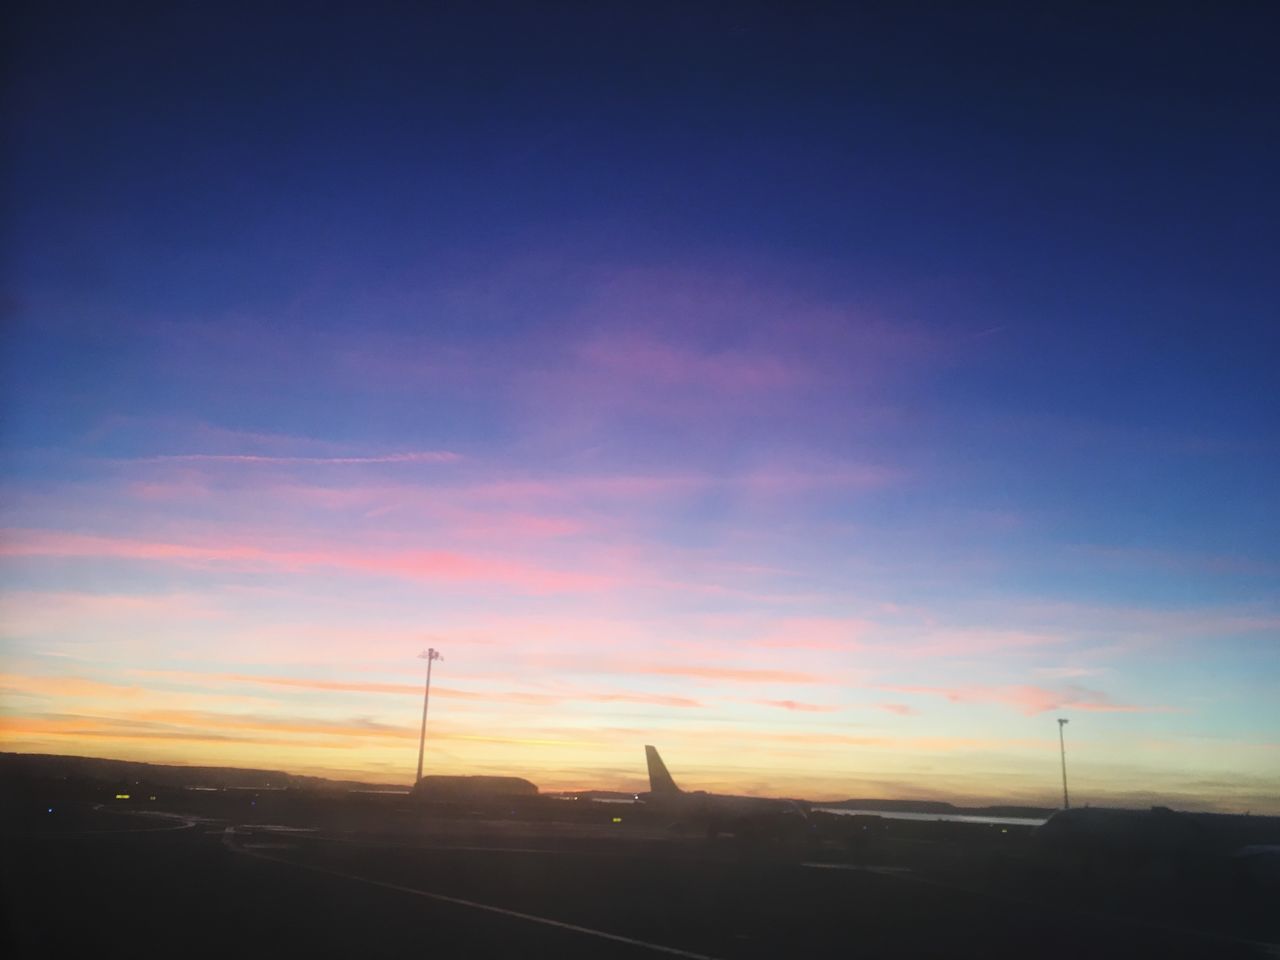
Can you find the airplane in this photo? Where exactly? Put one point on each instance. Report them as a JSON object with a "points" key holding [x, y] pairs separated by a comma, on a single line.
{"points": [[744, 817]]}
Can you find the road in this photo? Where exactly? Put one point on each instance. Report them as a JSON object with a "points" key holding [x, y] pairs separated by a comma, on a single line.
{"points": [[140, 886]]}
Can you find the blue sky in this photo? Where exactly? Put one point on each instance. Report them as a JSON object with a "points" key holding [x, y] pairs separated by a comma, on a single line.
{"points": [[861, 389]]}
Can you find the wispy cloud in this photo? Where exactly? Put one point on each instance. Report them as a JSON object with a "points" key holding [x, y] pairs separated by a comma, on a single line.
{"points": [[67, 687], [1151, 623], [649, 361], [1181, 561], [817, 633], [970, 642], [43, 609], [180, 726], [1032, 699], [1067, 673], [442, 566], [416, 456], [797, 705], [727, 674], [684, 504], [901, 709], [437, 690]]}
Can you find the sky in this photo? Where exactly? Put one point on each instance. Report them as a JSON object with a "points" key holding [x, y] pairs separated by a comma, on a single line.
{"points": [[831, 397]]}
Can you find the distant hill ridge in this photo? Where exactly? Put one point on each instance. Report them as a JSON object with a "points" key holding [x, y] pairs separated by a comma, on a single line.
{"points": [[173, 775], [169, 775]]}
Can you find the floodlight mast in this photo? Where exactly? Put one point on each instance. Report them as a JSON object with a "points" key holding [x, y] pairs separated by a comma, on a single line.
{"points": [[1062, 745], [431, 654]]}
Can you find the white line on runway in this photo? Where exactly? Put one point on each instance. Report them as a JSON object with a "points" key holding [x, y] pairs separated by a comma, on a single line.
{"points": [[458, 901]]}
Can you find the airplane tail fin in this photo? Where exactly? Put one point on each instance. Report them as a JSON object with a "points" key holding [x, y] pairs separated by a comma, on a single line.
{"points": [[659, 779]]}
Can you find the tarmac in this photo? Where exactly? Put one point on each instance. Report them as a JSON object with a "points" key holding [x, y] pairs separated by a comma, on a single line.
{"points": [[113, 882]]}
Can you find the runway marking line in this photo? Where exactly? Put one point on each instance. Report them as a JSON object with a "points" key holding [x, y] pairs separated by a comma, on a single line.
{"points": [[474, 905]]}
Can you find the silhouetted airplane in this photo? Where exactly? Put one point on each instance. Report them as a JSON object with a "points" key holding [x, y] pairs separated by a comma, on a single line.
{"points": [[718, 812]]}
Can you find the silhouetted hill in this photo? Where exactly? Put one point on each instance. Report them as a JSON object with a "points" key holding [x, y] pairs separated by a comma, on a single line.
{"points": [[51, 766]]}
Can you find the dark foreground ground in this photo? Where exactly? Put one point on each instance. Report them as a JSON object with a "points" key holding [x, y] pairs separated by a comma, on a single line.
{"points": [[223, 879]]}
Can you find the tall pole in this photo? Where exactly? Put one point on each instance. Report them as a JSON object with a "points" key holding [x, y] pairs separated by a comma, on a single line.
{"points": [[1062, 745], [431, 654]]}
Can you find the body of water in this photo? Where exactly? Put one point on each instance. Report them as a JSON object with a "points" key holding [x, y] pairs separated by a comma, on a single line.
{"points": [[956, 817]]}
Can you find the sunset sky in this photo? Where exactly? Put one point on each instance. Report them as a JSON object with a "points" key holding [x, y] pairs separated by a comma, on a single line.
{"points": [[832, 401]]}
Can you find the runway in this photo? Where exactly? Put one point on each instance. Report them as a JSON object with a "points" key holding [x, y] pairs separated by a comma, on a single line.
{"points": [[139, 885]]}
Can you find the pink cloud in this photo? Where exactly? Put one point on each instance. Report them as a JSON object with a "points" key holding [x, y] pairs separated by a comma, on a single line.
{"points": [[901, 709], [1068, 673], [184, 490], [525, 526], [35, 730], [729, 674], [1032, 699], [437, 690], [486, 504], [817, 633], [461, 567], [650, 698], [600, 495], [66, 687], [641, 328], [170, 431], [650, 362], [1155, 624], [441, 566], [45, 608], [843, 477], [458, 511], [795, 705], [337, 686], [194, 726], [974, 642]]}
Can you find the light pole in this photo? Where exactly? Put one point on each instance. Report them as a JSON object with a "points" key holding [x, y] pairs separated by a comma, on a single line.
{"points": [[431, 654], [1062, 745]]}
